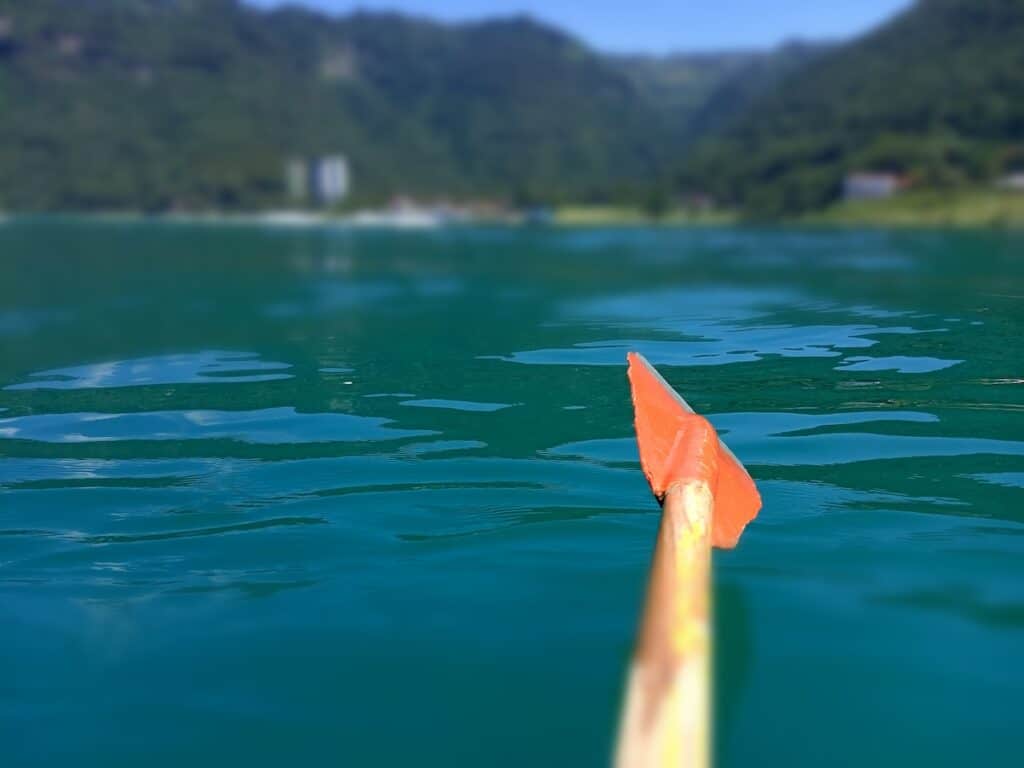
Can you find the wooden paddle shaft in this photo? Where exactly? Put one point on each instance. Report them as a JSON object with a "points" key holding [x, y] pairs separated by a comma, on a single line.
{"points": [[665, 721]]}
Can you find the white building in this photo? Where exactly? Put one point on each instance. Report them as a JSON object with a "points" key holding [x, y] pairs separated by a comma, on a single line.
{"points": [[296, 179], [871, 186], [320, 180], [1012, 182], [330, 179]]}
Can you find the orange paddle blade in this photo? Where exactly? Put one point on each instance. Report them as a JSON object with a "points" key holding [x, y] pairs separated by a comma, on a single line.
{"points": [[676, 444]]}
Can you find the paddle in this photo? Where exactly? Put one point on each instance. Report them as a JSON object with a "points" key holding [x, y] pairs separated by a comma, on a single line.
{"points": [[707, 499]]}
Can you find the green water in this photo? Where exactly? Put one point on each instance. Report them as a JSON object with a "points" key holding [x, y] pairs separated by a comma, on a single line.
{"points": [[315, 497]]}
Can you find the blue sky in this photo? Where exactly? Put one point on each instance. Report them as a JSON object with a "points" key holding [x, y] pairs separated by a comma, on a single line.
{"points": [[659, 25]]}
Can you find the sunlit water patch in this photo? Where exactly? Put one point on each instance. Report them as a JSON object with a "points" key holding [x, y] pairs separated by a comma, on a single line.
{"points": [[717, 325], [900, 364], [457, 405], [272, 425], [208, 366]]}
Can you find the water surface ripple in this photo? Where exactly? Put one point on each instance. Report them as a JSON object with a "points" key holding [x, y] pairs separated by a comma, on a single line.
{"points": [[361, 498]]}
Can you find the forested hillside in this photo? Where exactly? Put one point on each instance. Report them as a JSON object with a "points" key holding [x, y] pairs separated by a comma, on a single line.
{"points": [[936, 95], [159, 103]]}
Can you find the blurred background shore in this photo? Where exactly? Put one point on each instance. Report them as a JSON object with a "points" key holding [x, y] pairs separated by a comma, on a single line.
{"points": [[217, 107]]}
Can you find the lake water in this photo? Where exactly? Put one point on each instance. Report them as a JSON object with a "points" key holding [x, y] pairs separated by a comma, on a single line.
{"points": [[324, 497]]}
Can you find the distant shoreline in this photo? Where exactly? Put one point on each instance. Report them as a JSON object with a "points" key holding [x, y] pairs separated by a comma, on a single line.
{"points": [[979, 208], [961, 209]]}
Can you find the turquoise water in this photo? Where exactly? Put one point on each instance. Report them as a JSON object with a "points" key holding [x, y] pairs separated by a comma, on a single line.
{"points": [[318, 497]]}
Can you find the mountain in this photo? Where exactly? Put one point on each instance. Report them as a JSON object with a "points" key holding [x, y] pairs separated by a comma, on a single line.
{"points": [[194, 104], [681, 84], [199, 103], [757, 75], [936, 95]]}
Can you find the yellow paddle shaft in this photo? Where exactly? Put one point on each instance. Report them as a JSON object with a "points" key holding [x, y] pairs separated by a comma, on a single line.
{"points": [[665, 720]]}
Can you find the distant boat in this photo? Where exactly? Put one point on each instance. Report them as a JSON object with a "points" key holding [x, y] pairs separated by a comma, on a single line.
{"points": [[291, 218], [401, 218]]}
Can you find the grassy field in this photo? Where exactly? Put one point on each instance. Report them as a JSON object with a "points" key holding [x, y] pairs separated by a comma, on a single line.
{"points": [[976, 207], [970, 207], [614, 215]]}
